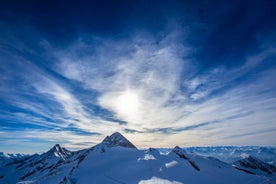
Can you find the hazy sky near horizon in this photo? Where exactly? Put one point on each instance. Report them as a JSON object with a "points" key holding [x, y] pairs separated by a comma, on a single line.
{"points": [[163, 73]]}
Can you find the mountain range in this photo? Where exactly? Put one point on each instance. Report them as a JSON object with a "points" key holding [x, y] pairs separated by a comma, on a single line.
{"points": [[117, 160]]}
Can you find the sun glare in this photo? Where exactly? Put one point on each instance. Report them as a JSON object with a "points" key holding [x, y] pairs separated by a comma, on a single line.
{"points": [[128, 103]]}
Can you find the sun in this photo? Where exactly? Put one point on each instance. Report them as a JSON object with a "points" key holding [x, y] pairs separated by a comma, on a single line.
{"points": [[127, 103]]}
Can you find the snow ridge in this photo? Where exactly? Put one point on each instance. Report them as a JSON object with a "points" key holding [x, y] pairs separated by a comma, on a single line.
{"points": [[255, 166], [182, 154]]}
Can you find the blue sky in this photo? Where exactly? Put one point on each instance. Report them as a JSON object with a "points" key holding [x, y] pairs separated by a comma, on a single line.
{"points": [[163, 73]]}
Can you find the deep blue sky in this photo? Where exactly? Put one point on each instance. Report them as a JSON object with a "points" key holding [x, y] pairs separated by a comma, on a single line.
{"points": [[161, 72]]}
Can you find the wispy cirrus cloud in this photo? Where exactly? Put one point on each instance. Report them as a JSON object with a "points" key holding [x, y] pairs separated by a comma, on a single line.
{"points": [[173, 95], [74, 94], [42, 102], [148, 67]]}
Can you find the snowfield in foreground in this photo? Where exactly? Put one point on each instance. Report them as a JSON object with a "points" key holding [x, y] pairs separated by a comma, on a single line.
{"points": [[117, 160]]}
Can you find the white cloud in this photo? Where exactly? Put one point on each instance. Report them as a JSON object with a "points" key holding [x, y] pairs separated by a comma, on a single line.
{"points": [[171, 95], [151, 69], [155, 71], [65, 138]]}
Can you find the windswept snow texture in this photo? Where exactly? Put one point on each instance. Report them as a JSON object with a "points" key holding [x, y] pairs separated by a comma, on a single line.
{"points": [[117, 160]]}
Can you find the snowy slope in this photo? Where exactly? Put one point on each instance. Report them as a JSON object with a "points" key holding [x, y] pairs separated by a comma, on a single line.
{"points": [[117, 160], [124, 165], [119, 164]]}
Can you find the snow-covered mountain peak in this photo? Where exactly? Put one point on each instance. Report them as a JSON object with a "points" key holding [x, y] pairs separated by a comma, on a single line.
{"points": [[59, 152], [4, 155], [179, 151], [117, 139], [254, 166], [55, 148], [151, 150], [176, 148], [112, 162], [11, 155]]}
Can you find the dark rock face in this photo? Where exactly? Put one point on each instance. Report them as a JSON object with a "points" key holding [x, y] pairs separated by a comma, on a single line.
{"points": [[117, 139], [182, 154], [252, 165], [59, 151]]}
